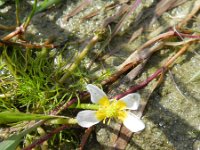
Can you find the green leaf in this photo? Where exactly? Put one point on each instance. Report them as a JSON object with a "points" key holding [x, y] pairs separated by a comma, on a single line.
{"points": [[12, 117], [46, 4], [13, 141], [2, 2]]}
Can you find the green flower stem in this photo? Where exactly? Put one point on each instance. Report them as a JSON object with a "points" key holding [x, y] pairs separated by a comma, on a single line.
{"points": [[81, 56], [62, 121], [85, 106], [31, 15], [17, 12]]}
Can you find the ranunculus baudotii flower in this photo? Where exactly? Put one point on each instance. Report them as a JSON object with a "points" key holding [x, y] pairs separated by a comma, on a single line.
{"points": [[118, 109]]}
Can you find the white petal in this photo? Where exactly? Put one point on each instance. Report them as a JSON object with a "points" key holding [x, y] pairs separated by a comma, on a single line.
{"points": [[132, 101], [96, 93], [87, 118], [133, 123]]}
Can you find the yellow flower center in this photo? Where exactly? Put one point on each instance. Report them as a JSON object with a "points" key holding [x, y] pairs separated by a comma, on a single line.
{"points": [[111, 109]]}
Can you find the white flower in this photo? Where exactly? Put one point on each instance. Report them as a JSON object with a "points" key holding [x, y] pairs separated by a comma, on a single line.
{"points": [[118, 109]]}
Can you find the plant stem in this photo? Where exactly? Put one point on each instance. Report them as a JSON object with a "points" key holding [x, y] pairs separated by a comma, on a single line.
{"points": [[23, 27], [28, 19], [81, 56], [180, 52], [140, 85], [62, 121], [66, 105], [17, 12], [45, 137], [85, 106]]}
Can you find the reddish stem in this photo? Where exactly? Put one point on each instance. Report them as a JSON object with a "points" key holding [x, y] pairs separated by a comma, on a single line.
{"points": [[85, 137], [69, 103], [141, 85], [45, 137], [189, 35], [55, 112]]}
